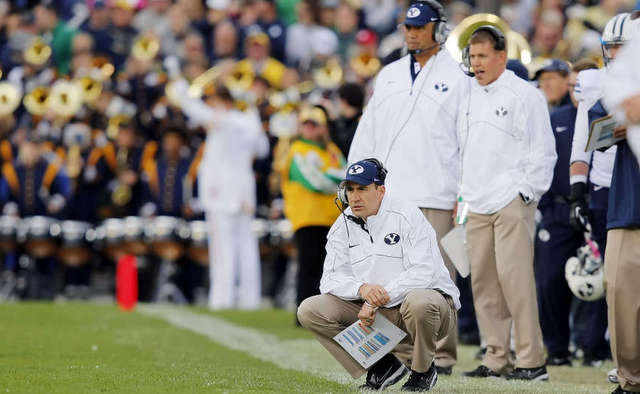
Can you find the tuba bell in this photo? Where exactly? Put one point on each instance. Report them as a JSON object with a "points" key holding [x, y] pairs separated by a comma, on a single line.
{"points": [[145, 48], [365, 66], [9, 98], [38, 52], [36, 100], [329, 76], [65, 98], [91, 89], [517, 45]]}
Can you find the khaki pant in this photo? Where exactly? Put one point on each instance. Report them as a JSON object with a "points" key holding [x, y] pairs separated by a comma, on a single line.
{"points": [[500, 249], [425, 315], [621, 278], [442, 223]]}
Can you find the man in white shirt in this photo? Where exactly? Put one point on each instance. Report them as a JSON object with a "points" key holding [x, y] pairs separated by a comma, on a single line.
{"points": [[410, 124], [508, 156], [383, 257], [226, 191]]}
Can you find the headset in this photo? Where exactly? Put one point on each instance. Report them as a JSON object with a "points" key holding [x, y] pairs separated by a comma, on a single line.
{"points": [[499, 45], [440, 29], [381, 175]]}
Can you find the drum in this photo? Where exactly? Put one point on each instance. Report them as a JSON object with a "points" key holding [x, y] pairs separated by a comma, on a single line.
{"points": [[198, 249], [39, 234], [111, 235], [74, 248], [168, 236], [282, 236], [261, 229], [134, 235], [8, 233]]}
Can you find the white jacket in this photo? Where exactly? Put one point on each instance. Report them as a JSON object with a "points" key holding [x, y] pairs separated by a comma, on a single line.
{"points": [[411, 128], [622, 82], [508, 146], [226, 182], [398, 250], [588, 91]]}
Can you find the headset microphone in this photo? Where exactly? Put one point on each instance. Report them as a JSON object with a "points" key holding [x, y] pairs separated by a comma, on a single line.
{"points": [[422, 50]]}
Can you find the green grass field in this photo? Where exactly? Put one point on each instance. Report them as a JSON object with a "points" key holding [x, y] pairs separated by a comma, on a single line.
{"points": [[91, 348]]}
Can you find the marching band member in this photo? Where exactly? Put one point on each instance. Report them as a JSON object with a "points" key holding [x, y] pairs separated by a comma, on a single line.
{"points": [[227, 192]]}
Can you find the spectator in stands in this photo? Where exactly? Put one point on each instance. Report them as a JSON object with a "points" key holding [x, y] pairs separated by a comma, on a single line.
{"points": [[47, 21], [314, 167]]}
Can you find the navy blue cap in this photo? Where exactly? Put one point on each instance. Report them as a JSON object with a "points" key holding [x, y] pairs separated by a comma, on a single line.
{"points": [[553, 65], [420, 14], [363, 173], [518, 68]]}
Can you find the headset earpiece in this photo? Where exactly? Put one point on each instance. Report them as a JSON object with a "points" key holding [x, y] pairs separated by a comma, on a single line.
{"points": [[342, 193], [440, 29], [381, 171]]}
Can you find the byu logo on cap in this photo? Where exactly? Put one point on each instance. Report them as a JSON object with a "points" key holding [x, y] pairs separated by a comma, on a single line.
{"points": [[356, 169], [391, 239], [413, 12]]}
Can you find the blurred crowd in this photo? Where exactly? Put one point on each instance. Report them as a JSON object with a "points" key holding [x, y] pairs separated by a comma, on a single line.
{"points": [[93, 136]]}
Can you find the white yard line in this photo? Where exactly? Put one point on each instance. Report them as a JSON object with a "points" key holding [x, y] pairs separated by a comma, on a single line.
{"points": [[305, 355]]}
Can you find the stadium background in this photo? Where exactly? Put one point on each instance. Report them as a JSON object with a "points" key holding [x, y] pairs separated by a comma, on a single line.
{"points": [[108, 60]]}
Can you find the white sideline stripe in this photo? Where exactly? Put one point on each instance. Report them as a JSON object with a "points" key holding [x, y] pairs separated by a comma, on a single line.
{"points": [[305, 355]]}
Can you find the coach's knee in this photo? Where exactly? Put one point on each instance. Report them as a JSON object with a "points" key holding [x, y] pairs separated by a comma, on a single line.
{"points": [[421, 304], [308, 311]]}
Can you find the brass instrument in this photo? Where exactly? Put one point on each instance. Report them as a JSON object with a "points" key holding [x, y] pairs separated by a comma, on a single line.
{"points": [[240, 79], [77, 137], [121, 194], [91, 89], [328, 76], [104, 66], [9, 98], [197, 87], [36, 100], [38, 52], [145, 48], [74, 161], [113, 125], [365, 66], [65, 98], [517, 45]]}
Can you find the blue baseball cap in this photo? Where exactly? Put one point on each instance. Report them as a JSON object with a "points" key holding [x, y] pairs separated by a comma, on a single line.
{"points": [[363, 173], [420, 14], [557, 65]]}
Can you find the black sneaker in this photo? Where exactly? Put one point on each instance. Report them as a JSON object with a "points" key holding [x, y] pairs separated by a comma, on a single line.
{"points": [[481, 372], [559, 361], [444, 370], [386, 372], [619, 390], [421, 381], [533, 374]]}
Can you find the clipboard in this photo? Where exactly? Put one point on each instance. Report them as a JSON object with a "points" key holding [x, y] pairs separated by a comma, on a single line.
{"points": [[369, 344], [601, 134], [455, 247]]}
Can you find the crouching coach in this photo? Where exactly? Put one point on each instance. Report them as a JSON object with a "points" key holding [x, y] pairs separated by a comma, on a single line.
{"points": [[383, 258]]}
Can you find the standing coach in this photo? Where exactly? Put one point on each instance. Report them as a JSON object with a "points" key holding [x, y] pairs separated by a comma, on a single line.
{"points": [[508, 157]]}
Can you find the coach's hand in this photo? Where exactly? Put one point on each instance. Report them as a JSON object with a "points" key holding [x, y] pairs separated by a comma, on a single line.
{"points": [[367, 315], [375, 295]]}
